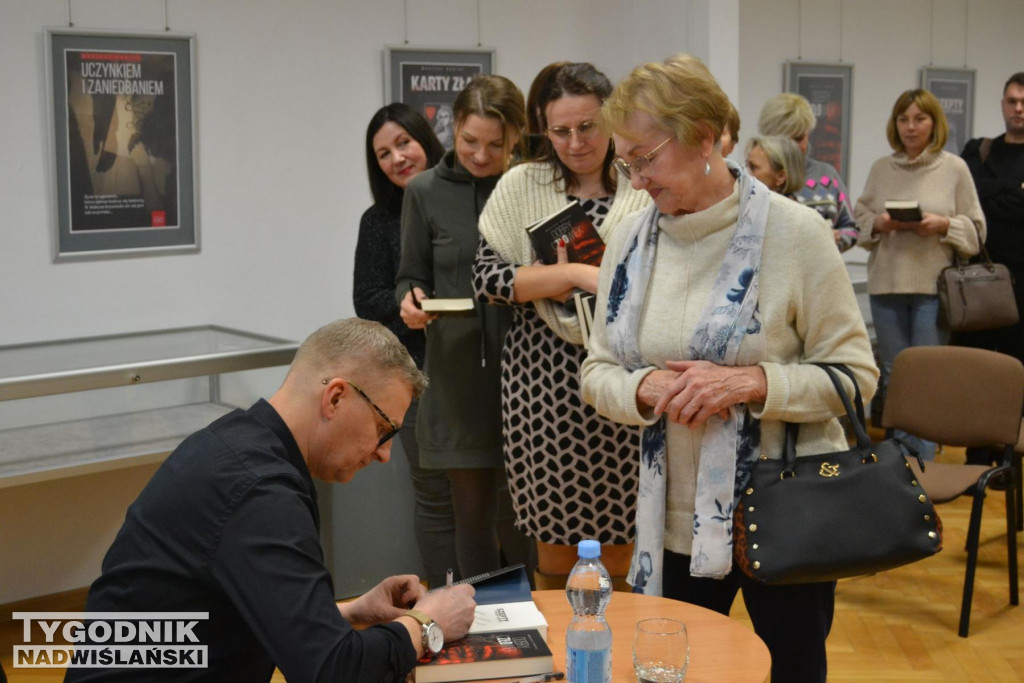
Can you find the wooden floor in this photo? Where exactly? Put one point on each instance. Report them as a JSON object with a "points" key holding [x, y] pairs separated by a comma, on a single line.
{"points": [[895, 626]]}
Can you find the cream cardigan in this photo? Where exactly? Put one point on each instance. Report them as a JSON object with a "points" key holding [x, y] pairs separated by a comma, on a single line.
{"points": [[903, 262], [809, 313], [526, 194]]}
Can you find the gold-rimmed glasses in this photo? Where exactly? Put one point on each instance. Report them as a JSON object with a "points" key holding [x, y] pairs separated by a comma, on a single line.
{"points": [[585, 131], [641, 164], [392, 426]]}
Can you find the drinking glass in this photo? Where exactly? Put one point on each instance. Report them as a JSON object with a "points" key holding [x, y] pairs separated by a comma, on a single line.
{"points": [[661, 651]]}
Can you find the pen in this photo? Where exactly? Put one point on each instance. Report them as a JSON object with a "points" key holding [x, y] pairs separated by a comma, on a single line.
{"points": [[449, 577], [553, 676], [415, 302]]}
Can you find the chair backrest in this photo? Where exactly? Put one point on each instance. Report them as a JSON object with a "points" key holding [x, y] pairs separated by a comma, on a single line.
{"points": [[956, 395]]}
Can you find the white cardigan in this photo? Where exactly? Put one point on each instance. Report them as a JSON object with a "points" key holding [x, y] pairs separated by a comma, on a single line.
{"points": [[526, 194]]}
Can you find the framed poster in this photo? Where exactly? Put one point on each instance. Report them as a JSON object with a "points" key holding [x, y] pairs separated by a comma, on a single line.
{"points": [[954, 89], [429, 79], [122, 114], [828, 87]]}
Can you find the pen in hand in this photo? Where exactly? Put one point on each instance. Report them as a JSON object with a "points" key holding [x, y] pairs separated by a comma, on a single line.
{"points": [[448, 578], [415, 301]]}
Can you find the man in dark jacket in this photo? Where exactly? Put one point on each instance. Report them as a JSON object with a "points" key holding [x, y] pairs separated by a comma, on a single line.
{"points": [[997, 166], [228, 528]]}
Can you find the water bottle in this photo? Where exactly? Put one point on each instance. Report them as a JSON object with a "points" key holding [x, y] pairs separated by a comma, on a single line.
{"points": [[588, 641]]}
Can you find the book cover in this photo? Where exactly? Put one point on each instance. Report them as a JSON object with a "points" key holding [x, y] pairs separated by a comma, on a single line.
{"points": [[906, 211], [509, 616], [585, 303], [449, 307], [489, 655], [571, 222]]}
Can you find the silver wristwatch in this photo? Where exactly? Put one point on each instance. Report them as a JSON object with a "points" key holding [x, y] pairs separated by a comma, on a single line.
{"points": [[433, 638]]}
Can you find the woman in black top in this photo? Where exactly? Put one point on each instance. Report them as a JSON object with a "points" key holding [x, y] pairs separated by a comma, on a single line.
{"points": [[399, 145]]}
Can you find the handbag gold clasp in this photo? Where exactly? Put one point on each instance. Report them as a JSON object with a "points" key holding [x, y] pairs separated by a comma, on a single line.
{"points": [[829, 470]]}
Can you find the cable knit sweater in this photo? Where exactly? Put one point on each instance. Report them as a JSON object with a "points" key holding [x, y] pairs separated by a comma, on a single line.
{"points": [[806, 304], [526, 194], [903, 262]]}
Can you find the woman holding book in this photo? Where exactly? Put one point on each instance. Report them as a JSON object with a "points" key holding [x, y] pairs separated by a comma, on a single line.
{"points": [[399, 146], [572, 472], [906, 256], [458, 426], [712, 305]]}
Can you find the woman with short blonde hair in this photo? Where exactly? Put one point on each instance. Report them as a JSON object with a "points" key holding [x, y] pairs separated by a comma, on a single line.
{"points": [[711, 306], [776, 161], [822, 189]]}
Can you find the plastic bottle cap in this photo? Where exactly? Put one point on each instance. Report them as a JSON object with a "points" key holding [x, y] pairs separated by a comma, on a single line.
{"points": [[589, 549]]}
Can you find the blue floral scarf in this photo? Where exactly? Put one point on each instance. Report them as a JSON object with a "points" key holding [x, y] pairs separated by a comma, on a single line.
{"points": [[728, 445]]}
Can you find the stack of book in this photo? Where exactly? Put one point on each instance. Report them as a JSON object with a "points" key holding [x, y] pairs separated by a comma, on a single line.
{"points": [[507, 637]]}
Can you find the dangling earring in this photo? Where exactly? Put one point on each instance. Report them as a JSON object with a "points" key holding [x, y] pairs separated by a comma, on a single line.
{"points": [[707, 168]]}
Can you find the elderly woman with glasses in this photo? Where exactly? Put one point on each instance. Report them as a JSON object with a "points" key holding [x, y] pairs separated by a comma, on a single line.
{"points": [[572, 473], [712, 305]]}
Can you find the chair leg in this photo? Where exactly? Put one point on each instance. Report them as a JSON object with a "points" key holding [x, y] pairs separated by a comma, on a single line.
{"points": [[1012, 522], [1017, 476], [973, 537]]}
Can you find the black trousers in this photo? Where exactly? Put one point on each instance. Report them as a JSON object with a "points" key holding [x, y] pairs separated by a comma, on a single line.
{"points": [[793, 620]]}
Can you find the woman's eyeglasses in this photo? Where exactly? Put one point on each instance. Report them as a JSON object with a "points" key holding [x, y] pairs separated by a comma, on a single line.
{"points": [[585, 131], [641, 164], [392, 426]]}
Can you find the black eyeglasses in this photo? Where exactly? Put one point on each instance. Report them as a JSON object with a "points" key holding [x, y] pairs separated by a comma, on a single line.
{"points": [[392, 426]]}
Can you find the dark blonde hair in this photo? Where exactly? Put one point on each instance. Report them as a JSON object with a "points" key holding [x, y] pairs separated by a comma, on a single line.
{"points": [[732, 124], [358, 343], [572, 79], [927, 103], [494, 97], [679, 92], [786, 114], [784, 155]]}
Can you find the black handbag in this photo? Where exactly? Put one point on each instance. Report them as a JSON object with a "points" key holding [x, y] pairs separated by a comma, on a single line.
{"points": [[834, 515], [976, 296]]}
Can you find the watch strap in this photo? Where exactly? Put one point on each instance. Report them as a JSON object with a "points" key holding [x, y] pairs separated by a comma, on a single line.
{"points": [[419, 616]]}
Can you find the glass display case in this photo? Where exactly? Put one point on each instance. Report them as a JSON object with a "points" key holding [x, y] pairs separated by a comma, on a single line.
{"points": [[137, 434]]}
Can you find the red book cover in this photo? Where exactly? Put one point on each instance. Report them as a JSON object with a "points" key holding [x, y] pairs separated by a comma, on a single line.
{"points": [[489, 655], [585, 244]]}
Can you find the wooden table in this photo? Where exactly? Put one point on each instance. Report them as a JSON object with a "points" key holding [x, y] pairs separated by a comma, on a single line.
{"points": [[721, 650]]}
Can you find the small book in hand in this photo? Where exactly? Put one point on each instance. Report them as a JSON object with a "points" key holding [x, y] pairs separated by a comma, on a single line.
{"points": [[570, 223], [448, 307], [905, 211]]}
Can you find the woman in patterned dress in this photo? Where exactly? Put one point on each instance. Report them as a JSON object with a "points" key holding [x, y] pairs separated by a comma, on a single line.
{"points": [[572, 473]]}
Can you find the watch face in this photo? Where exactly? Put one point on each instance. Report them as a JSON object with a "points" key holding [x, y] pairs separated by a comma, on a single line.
{"points": [[435, 638]]}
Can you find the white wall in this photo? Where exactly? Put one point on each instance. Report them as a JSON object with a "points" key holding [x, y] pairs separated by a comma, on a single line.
{"points": [[284, 93]]}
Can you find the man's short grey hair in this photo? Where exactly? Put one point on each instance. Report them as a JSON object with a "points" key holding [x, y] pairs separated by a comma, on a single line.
{"points": [[362, 344]]}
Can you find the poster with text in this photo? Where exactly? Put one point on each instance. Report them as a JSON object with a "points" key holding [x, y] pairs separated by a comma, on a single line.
{"points": [[827, 87], [954, 88], [430, 80], [124, 143]]}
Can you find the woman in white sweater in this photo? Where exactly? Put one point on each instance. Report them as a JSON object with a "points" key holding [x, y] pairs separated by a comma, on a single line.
{"points": [[572, 473], [906, 256], [711, 308]]}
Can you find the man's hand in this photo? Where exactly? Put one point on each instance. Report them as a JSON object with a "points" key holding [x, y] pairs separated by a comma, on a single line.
{"points": [[386, 601], [452, 608]]}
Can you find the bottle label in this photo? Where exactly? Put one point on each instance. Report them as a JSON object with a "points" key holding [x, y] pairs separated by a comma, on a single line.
{"points": [[589, 666]]}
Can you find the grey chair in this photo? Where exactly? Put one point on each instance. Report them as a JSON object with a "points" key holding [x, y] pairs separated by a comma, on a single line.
{"points": [[965, 397]]}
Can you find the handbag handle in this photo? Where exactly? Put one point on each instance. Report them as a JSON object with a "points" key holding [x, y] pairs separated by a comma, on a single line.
{"points": [[854, 411], [960, 262]]}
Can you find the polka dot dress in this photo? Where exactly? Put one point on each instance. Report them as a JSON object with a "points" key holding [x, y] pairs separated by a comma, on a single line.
{"points": [[571, 472]]}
